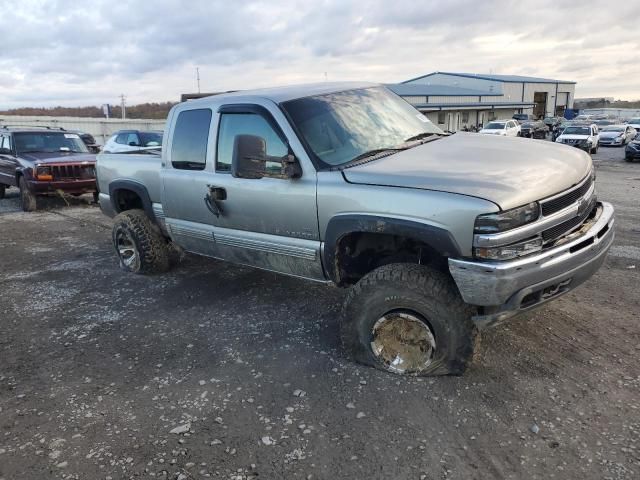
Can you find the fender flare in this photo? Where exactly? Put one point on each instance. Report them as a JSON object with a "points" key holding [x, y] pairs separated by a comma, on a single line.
{"points": [[339, 226], [138, 188]]}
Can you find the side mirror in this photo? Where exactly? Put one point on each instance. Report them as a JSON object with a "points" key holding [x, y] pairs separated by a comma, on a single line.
{"points": [[249, 157], [249, 160], [133, 144]]}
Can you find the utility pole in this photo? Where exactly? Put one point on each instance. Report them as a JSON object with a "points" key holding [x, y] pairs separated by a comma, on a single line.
{"points": [[122, 106], [198, 78]]}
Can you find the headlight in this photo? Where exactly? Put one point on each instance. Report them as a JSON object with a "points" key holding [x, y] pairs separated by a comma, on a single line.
{"points": [[502, 221], [506, 252], [585, 142], [43, 173]]}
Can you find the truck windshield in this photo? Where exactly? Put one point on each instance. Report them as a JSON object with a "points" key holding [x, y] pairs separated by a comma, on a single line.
{"points": [[340, 127], [49, 142]]}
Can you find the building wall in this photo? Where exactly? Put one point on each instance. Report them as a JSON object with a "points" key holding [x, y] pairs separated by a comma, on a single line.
{"points": [[511, 91], [100, 128]]}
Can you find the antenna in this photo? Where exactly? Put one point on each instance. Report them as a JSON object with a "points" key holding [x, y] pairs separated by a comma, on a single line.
{"points": [[122, 105], [198, 78]]}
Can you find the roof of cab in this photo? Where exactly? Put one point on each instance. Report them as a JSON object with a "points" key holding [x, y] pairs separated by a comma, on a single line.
{"points": [[291, 92]]}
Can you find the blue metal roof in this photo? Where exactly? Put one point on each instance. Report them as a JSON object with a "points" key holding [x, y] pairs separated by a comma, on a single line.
{"points": [[492, 77], [418, 90]]}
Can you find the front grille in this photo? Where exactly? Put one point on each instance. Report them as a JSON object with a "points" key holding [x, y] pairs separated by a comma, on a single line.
{"points": [[569, 198], [567, 227], [73, 172]]}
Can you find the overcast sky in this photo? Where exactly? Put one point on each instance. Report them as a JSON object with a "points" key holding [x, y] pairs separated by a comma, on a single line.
{"points": [[84, 53]]}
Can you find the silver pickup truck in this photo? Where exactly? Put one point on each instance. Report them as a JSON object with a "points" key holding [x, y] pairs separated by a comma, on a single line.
{"points": [[437, 235]]}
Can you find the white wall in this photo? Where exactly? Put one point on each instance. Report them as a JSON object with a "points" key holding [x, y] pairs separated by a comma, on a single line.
{"points": [[100, 128]]}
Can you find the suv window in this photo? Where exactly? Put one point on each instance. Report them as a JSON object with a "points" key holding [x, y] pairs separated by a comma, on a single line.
{"points": [[122, 138], [190, 137], [232, 124], [132, 139]]}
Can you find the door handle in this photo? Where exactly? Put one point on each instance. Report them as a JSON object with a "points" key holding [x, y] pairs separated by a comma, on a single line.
{"points": [[213, 197]]}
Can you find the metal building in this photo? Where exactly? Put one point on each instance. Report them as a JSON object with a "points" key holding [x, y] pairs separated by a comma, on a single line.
{"points": [[456, 100]]}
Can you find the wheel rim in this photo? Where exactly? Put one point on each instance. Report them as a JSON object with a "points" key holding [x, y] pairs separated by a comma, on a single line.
{"points": [[403, 342], [127, 250]]}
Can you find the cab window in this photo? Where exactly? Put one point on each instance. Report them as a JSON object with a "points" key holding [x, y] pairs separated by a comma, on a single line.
{"points": [[190, 137]]}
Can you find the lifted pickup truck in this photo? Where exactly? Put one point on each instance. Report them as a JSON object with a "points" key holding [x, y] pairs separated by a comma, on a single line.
{"points": [[437, 235]]}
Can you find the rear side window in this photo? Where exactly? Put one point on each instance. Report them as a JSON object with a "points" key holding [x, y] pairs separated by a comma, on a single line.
{"points": [[190, 137], [122, 139]]}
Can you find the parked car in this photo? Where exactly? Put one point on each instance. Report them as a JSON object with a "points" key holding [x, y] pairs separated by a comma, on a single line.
{"points": [[89, 141], [533, 129], [44, 161], [438, 235], [604, 123], [506, 128], [131, 140], [559, 127], [523, 117], [632, 151], [617, 135], [635, 123], [585, 137]]}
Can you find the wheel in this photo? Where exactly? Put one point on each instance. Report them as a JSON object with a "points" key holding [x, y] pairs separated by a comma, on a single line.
{"points": [[139, 243], [3, 188], [628, 159], [27, 197], [95, 197], [594, 149], [408, 319]]}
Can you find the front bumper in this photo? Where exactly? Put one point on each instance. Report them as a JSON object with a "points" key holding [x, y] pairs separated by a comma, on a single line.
{"points": [[68, 186], [631, 153], [508, 288]]}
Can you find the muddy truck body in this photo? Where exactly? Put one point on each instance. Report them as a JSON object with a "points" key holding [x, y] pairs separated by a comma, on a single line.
{"points": [[437, 236]]}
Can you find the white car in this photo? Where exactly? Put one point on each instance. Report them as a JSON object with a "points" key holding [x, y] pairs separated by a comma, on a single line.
{"points": [[617, 135], [133, 140], [585, 137], [505, 128], [635, 123]]}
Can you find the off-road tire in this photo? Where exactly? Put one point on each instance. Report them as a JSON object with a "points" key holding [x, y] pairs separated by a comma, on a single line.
{"points": [[416, 288], [3, 188], [27, 197], [151, 247]]}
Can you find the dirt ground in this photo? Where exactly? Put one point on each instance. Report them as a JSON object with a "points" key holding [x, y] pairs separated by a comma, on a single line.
{"points": [[214, 370]]}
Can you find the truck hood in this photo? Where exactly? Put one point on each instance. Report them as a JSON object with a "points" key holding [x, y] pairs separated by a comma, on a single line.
{"points": [[507, 171], [57, 157]]}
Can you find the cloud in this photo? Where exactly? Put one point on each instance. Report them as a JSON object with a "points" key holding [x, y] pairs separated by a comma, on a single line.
{"points": [[65, 52]]}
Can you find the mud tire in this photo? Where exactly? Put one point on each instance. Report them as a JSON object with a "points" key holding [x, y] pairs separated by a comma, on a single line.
{"points": [[419, 289], [150, 246], [27, 197], [3, 189]]}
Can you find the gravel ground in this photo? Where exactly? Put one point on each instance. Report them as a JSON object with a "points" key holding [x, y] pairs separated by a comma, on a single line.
{"points": [[214, 370]]}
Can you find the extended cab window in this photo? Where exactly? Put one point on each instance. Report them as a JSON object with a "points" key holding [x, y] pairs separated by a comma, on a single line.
{"points": [[190, 137], [232, 124]]}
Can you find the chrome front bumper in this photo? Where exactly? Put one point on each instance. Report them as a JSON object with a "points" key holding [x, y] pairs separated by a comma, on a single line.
{"points": [[511, 287]]}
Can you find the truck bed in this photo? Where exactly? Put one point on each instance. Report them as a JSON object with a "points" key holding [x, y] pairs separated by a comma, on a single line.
{"points": [[142, 168]]}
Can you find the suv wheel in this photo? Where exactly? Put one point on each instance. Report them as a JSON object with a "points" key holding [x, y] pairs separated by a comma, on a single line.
{"points": [[595, 149], [139, 243], [3, 188], [27, 197], [408, 319]]}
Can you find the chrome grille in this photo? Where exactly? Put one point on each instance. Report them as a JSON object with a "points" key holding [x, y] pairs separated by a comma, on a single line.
{"points": [[567, 227], [563, 201]]}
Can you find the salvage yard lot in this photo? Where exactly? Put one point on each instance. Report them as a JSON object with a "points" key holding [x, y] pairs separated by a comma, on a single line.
{"points": [[97, 367]]}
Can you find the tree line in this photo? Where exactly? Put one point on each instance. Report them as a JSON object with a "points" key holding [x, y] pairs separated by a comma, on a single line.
{"points": [[142, 110]]}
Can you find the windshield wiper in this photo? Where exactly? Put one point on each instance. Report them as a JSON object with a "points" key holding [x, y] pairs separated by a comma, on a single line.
{"points": [[420, 136], [362, 158]]}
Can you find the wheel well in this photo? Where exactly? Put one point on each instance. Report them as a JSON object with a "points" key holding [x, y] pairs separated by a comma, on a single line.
{"points": [[358, 253], [126, 200]]}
